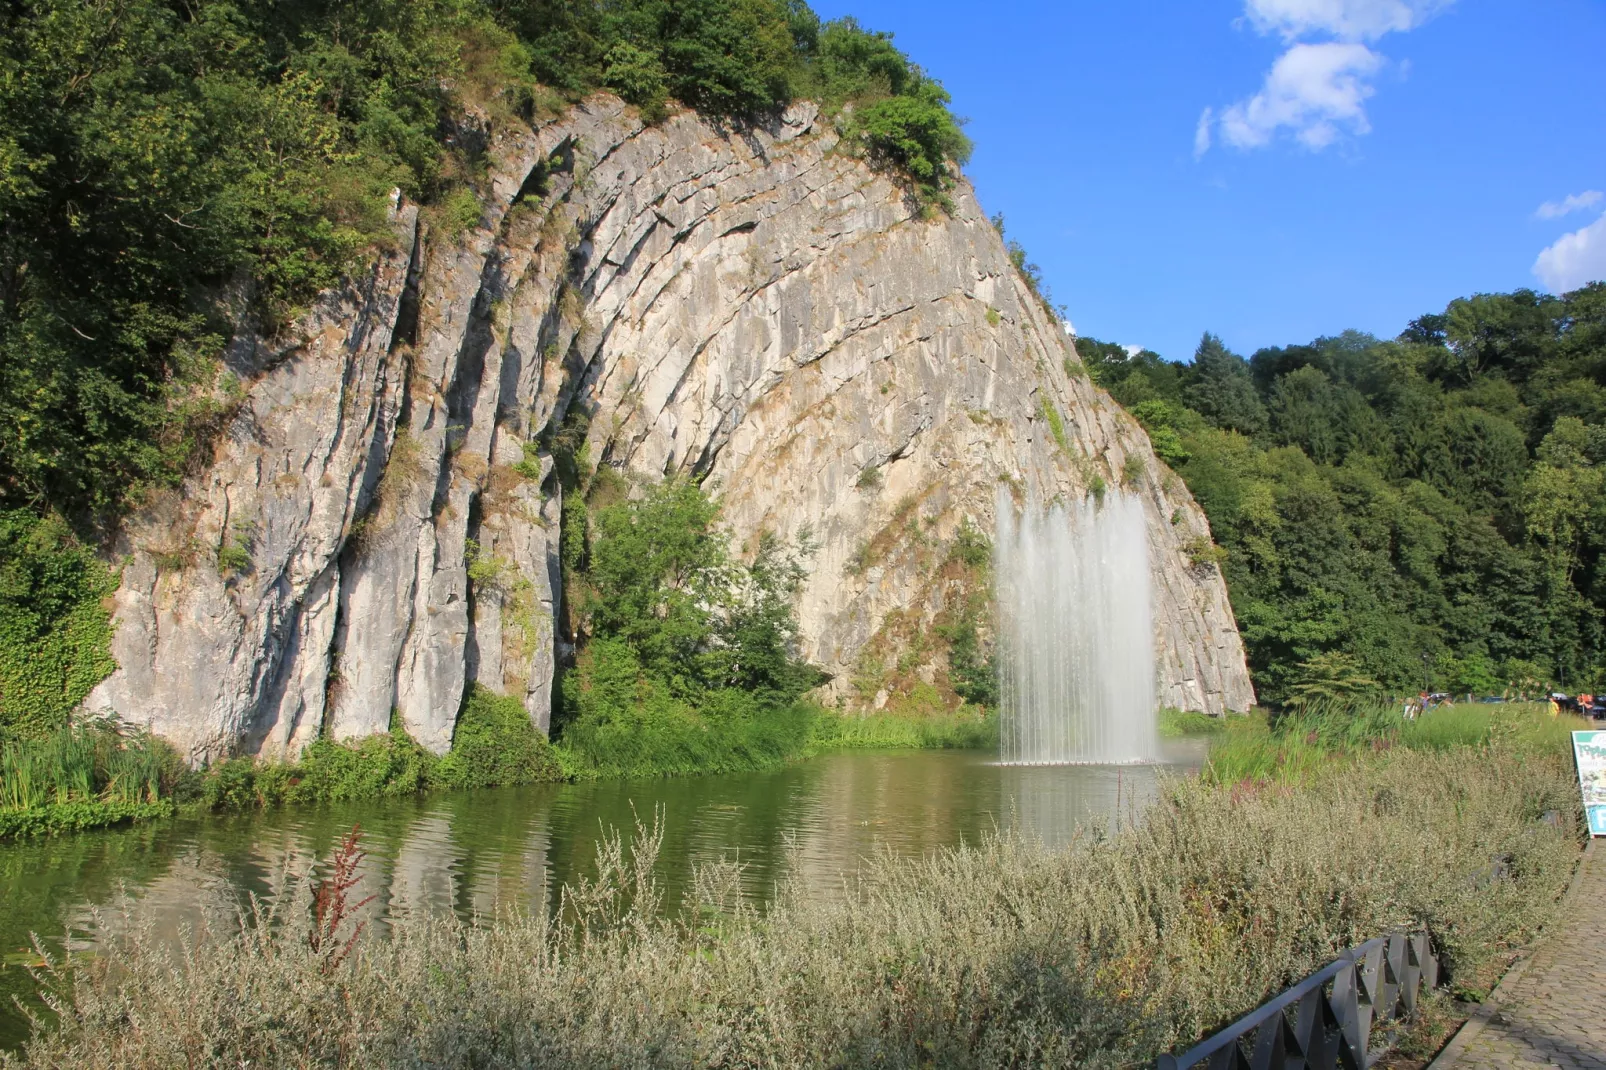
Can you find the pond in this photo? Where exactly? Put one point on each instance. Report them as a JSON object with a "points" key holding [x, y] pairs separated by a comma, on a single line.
{"points": [[474, 851]]}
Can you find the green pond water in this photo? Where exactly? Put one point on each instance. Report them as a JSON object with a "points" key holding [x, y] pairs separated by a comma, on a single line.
{"points": [[474, 852]]}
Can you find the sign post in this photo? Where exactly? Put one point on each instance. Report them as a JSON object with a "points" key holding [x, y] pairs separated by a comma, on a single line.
{"points": [[1589, 748]]}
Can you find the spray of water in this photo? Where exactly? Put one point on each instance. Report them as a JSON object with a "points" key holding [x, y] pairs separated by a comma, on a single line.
{"points": [[1075, 632]]}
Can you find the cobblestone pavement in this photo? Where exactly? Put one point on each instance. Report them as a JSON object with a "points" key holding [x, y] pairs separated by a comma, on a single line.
{"points": [[1555, 1013]]}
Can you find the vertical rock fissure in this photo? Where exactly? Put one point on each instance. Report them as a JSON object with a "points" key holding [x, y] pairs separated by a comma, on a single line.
{"points": [[471, 595]]}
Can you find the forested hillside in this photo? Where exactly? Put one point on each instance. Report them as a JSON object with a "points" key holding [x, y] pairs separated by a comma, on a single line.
{"points": [[170, 172], [1426, 510]]}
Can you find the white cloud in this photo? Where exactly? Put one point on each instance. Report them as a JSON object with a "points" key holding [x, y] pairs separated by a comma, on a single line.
{"points": [[1348, 20], [1574, 202], [1314, 91], [1201, 133], [1132, 351], [1575, 259]]}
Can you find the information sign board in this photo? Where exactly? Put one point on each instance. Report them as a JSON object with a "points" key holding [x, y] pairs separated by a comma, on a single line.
{"points": [[1590, 750]]}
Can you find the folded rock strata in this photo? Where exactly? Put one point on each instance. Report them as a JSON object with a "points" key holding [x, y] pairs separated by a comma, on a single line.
{"points": [[753, 307]]}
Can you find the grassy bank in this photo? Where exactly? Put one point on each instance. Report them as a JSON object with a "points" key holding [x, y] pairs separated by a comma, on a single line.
{"points": [[967, 728], [1174, 723], [1297, 748], [89, 776], [1099, 955], [92, 776], [82, 778]]}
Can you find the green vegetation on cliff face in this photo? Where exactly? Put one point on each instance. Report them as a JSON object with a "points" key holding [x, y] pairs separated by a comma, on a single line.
{"points": [[684, 653], [170, 172], [1427, 509]]}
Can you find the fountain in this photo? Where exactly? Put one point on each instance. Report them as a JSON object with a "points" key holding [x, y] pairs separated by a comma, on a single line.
{"points": [[1075, 633]]}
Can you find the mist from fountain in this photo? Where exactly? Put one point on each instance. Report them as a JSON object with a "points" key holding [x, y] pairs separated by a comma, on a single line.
{"points": [[1075, 632]]}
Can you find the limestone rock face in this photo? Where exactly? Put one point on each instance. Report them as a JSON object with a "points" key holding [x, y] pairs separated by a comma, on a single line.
{"points": [[756, 308]]}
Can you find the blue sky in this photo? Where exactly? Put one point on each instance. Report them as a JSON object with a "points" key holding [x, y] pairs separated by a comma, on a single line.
{"points": [[1362, 161]]}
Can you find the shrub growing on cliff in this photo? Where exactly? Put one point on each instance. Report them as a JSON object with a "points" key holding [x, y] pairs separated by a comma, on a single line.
{"points": [[54, 633], [686, 654], [916, 134], [495, 744]]}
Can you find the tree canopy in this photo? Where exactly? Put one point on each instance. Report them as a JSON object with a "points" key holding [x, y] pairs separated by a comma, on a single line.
{"points": [[1421, 511]]}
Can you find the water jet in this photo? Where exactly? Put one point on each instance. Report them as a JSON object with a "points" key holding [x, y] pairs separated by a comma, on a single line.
{"points": [[1075, 632]]}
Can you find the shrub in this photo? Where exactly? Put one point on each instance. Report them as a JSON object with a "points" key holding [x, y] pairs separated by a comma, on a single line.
{"points": [[971, 547], [496, 744], [628, 723], [915, 133], [1056, 423], [639, 77], [1202, 554], [1175, 723], [458, 212], [390, 764], [55, 636]]}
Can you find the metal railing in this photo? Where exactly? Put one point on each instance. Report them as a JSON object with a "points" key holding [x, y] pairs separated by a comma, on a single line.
{"points": [[1336, 1017]]}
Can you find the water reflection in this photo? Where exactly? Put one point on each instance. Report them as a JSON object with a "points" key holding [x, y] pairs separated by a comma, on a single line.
{"points": [[477, 853]]}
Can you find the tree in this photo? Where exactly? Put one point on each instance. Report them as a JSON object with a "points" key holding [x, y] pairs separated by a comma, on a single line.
{"points": [[1329, 678], [1222, 389]]}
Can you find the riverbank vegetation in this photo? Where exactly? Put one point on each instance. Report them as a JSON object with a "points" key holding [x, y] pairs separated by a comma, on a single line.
{"points": [[94, 776], [171, 172], [1174, 723], [1104, 953], [1296, 746], [1423, 511], [78, 778], [85, 776]]}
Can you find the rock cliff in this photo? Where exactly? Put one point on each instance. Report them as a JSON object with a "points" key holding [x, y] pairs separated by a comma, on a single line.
{"points": [[756, 307]]}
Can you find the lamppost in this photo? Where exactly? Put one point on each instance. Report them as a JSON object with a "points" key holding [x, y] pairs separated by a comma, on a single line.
{"points": [[1426, 687]]}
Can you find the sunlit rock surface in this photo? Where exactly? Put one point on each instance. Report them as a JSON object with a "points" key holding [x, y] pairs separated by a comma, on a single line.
{"points": [[752, 307]]}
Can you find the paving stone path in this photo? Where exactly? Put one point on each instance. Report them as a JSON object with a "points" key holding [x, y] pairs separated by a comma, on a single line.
{"points": [[1554, 1014]]}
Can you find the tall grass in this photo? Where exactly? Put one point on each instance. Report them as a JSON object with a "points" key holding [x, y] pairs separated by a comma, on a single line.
{"points": [[670, 744], [1294, 748], [92, 763], [1098, 955], [82, 776], [968, 728]]}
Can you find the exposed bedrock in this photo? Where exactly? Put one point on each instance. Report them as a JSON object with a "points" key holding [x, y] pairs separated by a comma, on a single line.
{"points": [[378, 527]]}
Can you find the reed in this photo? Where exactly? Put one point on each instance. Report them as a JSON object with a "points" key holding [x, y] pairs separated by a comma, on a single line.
{"points": [[83, 763]]}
